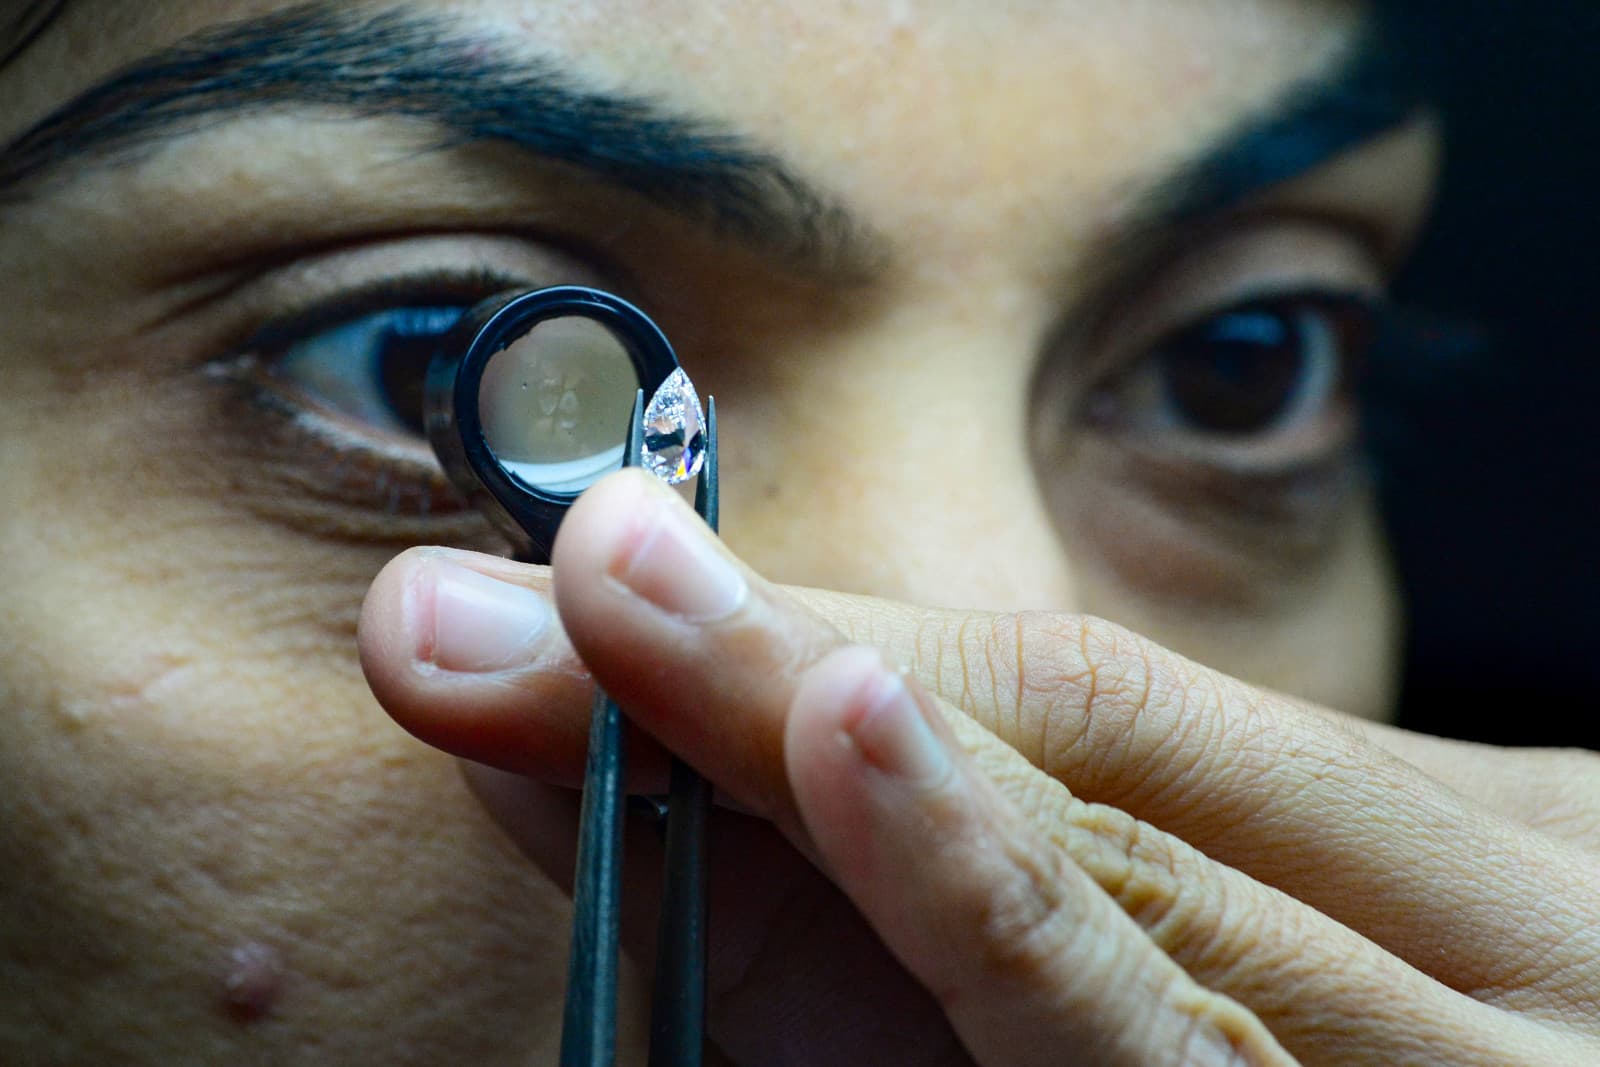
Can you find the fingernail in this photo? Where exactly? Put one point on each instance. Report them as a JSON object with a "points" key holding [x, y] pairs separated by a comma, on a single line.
{"points": [[479, 623], [679, 568], [893, 734]]}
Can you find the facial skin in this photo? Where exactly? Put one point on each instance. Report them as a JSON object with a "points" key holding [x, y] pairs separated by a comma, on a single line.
{"points": [[214, 844]]}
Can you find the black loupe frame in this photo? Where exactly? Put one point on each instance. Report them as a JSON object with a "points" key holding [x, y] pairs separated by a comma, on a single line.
{"points": [[527, 514]]}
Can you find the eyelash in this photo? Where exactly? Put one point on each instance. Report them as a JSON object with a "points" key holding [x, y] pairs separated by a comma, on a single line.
{"points": [[431, 288]]}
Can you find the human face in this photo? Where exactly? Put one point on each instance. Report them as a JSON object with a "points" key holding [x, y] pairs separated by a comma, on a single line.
{"points": [[930, 279]]}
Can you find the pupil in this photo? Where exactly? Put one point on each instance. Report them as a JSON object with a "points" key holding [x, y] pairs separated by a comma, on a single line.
{"points": [[1235, 374], [403, 350]]}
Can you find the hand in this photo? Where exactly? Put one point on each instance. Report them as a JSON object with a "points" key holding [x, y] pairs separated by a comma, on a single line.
{"points": [[1047, 840]]}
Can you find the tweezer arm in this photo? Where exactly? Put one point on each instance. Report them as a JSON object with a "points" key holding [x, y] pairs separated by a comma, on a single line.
{"points": [[589, 1025], [589, 1022], [678, 1005]]}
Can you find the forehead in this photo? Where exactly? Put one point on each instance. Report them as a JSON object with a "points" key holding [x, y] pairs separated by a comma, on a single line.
{"points": [[916, 108], [953, 125], [983, 88]]}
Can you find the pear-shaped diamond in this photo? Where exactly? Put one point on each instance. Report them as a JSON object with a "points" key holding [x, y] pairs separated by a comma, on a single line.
{"points": [[674, 431]]}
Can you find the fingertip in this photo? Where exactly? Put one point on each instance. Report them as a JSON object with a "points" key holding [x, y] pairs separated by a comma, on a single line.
{"points": [[461, 652], [862, 760], [827, 700], [874, 711], [384, 636], [396, 628], [609, 515]]}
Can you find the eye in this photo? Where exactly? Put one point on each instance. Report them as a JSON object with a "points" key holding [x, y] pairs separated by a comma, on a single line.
{"points": [[1269, 371], [370, 368]]}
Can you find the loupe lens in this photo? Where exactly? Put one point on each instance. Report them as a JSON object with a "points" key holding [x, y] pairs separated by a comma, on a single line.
{"points": [[529, 401], [554, 404]]}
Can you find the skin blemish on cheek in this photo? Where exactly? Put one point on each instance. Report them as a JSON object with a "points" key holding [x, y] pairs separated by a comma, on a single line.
{"points": [[253, 982], [147, 687]]}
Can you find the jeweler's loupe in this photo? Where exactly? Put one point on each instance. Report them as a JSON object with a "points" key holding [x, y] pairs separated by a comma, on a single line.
{"points": [[529, 400]]}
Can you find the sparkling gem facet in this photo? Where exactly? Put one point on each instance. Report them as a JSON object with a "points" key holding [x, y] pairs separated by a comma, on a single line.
{"points": [[674, 431]]}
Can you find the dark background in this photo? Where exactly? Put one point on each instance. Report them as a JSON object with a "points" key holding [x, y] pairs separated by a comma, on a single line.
{"points": [[1492, 487]]}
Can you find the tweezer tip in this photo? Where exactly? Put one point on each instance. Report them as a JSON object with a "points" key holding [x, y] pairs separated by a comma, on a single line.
{"points": [[633, 451], [706, 496]]}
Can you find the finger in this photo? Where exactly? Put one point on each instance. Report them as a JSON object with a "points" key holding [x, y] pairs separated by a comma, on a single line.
{"points": [[794, 975], [465, 651], [1300, 800], [1327, 993], [708, 658], [978, 662], [507, 689], [794, 978], [703, 654], [1554, 791], [1025, 953], [1288, 794]]}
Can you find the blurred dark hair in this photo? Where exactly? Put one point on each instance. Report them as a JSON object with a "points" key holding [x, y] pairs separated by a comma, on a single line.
{"points": [[1490, 491]]}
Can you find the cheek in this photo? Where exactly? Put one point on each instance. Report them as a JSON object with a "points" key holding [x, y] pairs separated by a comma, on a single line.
{"points": [[1331, 635], [258, 858], [204, 816], [890, 460]]}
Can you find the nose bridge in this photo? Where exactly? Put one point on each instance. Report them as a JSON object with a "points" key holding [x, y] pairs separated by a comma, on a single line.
{"points": [[893, 462]]}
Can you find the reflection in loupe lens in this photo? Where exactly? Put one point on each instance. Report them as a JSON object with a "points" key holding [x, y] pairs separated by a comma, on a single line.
{"points": [[555, 404]]}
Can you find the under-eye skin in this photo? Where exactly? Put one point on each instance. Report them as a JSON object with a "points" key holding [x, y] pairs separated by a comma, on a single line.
{"points": [[1230, 441], [304, 464]]}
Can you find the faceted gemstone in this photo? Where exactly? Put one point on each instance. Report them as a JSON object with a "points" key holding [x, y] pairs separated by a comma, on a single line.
{"points": [[674, 431]]}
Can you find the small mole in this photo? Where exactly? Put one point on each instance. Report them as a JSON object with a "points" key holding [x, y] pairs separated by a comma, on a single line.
{"points": [[253, 982]]}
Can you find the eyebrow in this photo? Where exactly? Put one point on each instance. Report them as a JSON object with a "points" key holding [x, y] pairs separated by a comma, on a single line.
{"points": [[1373, 89], [26, 26], [1370, 89], [407, 65], [403, 64]]}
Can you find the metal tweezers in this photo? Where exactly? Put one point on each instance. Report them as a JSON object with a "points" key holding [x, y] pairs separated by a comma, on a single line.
{"points": [[677, 1013]]}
